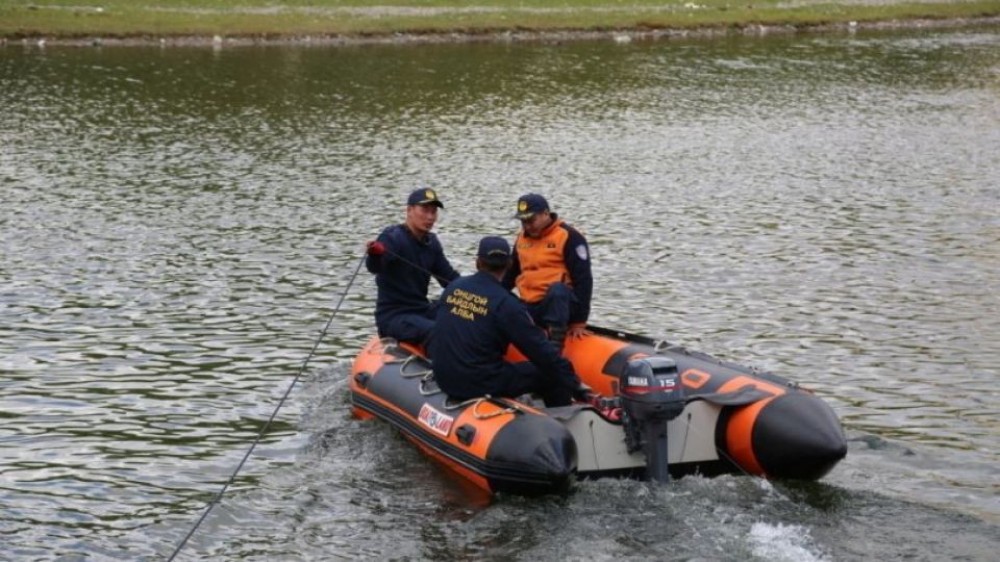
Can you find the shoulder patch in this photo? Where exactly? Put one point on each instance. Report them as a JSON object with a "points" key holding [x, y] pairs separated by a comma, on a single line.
{"points": [[581, 252]]}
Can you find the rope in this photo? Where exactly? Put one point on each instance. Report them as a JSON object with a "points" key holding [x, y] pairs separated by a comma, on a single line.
{"points": [[423, 372], [507, 407], [260, 434], [417, 266]]}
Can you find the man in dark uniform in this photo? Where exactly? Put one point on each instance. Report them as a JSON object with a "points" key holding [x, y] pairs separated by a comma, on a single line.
{"points": [[403, 259], [551, 270], [477, 321]]}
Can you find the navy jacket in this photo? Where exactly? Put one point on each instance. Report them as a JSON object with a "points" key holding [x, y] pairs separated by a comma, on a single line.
{"points": [[402, 286], [476, 321], [559, 254]]}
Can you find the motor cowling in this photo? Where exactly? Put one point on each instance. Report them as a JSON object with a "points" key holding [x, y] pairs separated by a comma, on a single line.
{"points": [[651, 390], [652, 395]]}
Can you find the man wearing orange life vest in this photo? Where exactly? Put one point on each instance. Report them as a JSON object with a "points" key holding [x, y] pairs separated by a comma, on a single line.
{"points": [[551, 270]]}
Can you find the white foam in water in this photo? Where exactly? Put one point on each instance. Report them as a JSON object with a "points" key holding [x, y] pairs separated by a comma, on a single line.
{"points": [[782, 542]]}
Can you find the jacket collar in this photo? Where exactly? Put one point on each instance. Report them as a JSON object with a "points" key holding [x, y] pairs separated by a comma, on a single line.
{"points": [[556, 221]]}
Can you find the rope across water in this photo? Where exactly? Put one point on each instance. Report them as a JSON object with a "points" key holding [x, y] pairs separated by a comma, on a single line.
{"points": [[218, 497]]}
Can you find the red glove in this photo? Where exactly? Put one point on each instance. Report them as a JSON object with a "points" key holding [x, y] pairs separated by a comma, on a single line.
{"points": [[376, 248]]}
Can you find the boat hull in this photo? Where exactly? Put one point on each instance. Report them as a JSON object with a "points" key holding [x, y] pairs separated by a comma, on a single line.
{"points": [[762, 424], [498, 445], [734, 420]]}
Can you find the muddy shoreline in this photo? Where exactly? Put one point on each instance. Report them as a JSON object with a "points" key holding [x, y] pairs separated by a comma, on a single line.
{"points": [[499, 36]]}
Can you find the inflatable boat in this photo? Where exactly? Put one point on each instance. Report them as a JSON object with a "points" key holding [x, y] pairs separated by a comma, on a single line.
{"points": [[659, 411]]}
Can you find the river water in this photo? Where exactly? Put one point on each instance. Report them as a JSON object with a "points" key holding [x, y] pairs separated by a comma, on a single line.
{"points": [[178, 225]]}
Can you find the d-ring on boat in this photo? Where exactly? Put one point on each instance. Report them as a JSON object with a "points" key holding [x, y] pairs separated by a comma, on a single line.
{"points": [[663, 411]]}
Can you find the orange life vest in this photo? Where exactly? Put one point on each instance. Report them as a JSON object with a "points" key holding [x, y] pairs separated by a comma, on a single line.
{"points": [[542, 261]]}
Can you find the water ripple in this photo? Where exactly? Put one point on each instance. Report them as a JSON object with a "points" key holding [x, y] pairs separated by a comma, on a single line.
{"points": [[178, 226]]}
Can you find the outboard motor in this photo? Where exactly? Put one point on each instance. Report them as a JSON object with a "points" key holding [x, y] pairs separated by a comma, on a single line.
{"points": [[651, 394]]}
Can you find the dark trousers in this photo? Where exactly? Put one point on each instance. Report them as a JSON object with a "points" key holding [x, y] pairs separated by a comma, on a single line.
{"points": [[553, 310], [413, 328], [524, 377]]}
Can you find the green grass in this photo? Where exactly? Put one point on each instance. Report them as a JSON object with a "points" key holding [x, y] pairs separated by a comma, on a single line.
{"points": [[281, 18]]}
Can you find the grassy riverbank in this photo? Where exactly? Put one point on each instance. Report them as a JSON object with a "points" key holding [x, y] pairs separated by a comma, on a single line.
{"points": [[284, 19]]}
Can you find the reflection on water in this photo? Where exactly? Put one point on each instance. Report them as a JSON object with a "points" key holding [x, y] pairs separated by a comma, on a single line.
{"points": [[178, 225]]}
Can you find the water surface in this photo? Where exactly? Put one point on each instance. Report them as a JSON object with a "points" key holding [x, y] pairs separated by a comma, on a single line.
{"points": [[178, 225]]}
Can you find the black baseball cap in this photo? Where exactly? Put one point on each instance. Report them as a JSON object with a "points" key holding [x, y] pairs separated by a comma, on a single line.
{"points": [[494, 250], [424, 196], [529, 204]]}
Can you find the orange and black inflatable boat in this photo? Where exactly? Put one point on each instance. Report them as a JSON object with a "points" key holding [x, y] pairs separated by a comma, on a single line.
{"points": [[659, 411]]}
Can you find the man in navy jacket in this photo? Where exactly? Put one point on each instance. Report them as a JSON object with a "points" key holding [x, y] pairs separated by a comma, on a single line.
{"points": [[551, 270], [477, 321], [403, 259]]}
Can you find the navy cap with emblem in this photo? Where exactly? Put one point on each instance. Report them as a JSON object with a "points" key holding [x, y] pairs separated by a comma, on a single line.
{"points": [[424, 196], [529, 204], [494, 250]]}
